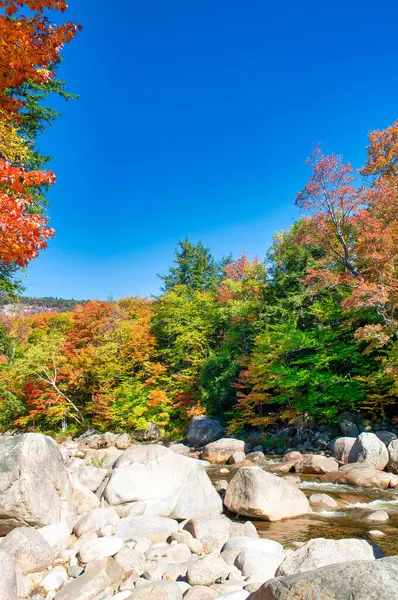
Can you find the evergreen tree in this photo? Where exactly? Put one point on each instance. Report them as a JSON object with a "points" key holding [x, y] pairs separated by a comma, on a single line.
{"points": [[195, 268]]}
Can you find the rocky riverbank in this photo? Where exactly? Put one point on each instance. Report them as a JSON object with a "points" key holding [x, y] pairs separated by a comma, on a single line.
{"points": [[102, 518]]}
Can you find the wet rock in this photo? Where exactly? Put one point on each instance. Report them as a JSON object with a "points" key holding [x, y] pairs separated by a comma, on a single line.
{"points": [[315, 464], [203, 430], [320, 552], [356, 580], [323, 502], [34, 486], [29, 550], [219, 452], [167, 482], [360, 475], [369, 449], [281, 467], [377, 515], [255, 493]]}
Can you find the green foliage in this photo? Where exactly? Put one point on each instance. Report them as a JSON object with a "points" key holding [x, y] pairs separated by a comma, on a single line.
{"points": [[96, 460], [195, 268]]}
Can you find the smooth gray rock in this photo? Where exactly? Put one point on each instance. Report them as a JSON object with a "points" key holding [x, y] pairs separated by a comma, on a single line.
{"points": [[207, 570], [356, 580], [320, 552], [155, 529], [34, 487], [255, 493], [100, 548], [203, 430], [168, 483], [369, 449]]}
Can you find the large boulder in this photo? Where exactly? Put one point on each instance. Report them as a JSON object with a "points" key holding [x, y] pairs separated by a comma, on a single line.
{"points": [[392, 464], [315, 464], [356, 580], [8, 578], [203, 430], [167, 482], [219, 452], [34, 485], [320, 552], [341, 449], [369, 449], [99, 574], [256, 493], [29, 550], [348, 428]]}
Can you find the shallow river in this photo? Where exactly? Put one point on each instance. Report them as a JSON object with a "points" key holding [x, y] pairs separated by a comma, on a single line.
{"points": [[344, 522]]}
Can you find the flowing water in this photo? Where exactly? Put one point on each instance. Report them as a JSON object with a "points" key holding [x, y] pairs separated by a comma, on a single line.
{"points": [[346, 521]]}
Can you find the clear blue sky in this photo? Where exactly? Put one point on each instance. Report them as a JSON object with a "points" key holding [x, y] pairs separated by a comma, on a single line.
{"points": [[195, 118]]}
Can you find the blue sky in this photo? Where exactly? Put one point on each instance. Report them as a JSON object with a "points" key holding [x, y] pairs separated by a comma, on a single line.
{"points": [[195, 118]]}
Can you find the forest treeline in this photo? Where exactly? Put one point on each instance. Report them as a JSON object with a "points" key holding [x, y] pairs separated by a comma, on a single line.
{"points": [[305, 333]]}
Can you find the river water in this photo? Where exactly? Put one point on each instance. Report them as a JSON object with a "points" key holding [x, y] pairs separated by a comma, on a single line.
{"points": [[344, 522]]}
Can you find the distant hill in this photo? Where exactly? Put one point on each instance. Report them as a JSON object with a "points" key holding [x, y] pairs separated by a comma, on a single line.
{"points": [[27, 305]]}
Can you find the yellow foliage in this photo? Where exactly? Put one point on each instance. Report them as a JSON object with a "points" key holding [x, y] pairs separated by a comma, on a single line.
{"points": [[13, 147]]}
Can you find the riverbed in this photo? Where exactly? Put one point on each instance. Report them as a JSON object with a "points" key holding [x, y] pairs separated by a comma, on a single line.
{"points": [[344, 522]]}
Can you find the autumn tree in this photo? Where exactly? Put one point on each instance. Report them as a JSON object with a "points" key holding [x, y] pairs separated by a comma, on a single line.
{"points": [[29, 53]]}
